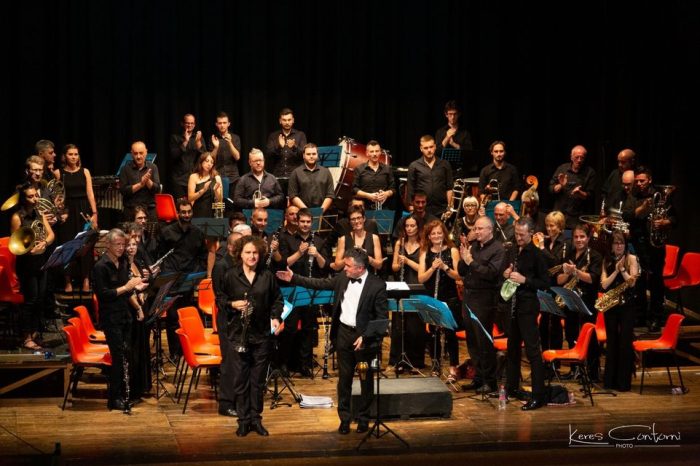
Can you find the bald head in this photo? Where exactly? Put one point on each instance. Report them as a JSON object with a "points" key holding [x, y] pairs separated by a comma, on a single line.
{"points": [[628, 180], [626, 159], [500, 213]]}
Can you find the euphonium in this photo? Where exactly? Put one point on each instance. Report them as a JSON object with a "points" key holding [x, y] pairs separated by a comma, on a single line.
{"points": [[661, 206]]}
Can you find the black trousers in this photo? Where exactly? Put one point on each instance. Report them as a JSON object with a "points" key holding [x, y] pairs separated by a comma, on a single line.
{"points": [[250, 369], [118, 334], [551, 331], [481, 350], [619, 327], [297, 339], [523, 328], [451, 342], [652, 262], [227, 379], [347, 360]]}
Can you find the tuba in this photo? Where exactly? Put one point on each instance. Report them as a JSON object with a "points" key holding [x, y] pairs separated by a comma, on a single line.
{"points": [[661, 205]]}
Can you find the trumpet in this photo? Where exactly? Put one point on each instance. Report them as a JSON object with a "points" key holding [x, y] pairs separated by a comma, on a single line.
{"points": [[246, 314], [257, 195]]}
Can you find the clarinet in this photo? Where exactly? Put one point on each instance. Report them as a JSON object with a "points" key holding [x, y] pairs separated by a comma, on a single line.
{"points": [[311, 258], [437, 272], [326, 351], [403, 264], [275, 237], [125, 364]]}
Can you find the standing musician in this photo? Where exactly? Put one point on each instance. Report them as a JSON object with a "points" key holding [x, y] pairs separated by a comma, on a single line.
{"points": [[289, 229], [437, 270], [225, 147], [652, 256], [612, 191], [405, 265], [140, 361], [452, 136], [46, 150], [305, 254], [358, 237], [619, 276], [115, 296], [258, 188], [373, 181], [311, 185], [204, 187], [480, 269], [285, 146], [581, 272], [185, 149], [32, 281], [432, 176], [252, 302], [554, 246], [507, 185], [528, 268], [573, 186], [139, 182], [360, 297]]}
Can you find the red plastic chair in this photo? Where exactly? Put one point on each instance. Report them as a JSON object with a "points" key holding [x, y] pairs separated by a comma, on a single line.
{"points": [[666, 343], [166, 211], [196, 362], [671, 264], [81, 359], [87, 345], [95, 336], [8, 260], [600, 330], [576, 355], [688, 275], [196, 328]]}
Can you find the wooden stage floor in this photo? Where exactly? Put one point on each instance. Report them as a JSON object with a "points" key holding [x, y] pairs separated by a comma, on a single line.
{"points": [[666, 428]]}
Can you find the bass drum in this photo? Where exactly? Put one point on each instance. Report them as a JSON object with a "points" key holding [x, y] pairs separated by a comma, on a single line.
{"points": [[352, 155]]}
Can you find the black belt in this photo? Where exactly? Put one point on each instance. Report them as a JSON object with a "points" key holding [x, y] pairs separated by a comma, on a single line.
{"points": [[349, 327]]}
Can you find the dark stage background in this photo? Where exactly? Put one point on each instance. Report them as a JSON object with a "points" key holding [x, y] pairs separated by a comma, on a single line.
{"points": [[541, 77]]}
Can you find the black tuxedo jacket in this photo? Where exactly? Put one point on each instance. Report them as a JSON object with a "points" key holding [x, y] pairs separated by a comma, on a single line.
{"points": [[372, 306]]}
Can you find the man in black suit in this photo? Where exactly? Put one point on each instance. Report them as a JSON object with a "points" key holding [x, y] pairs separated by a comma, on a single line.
{"points": [[360, 297]]}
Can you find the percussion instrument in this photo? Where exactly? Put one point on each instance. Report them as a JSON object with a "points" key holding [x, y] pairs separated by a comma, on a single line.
{"points": [[352, 155]]}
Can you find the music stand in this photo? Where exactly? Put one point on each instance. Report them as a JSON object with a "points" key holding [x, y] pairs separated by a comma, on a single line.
{"points": [[160, 306], [377, 329], [76, 247], [473, 317], [212, 227], [308, 297], [405, 305], [454, 156], [437, 314], [384, 219], [275, 374]]}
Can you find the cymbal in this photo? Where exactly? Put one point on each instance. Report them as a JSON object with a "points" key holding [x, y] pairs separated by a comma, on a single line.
{"points": [[10, 202]]}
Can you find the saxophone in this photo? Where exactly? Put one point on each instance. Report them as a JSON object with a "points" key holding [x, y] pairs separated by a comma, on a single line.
{"points": [[245, 319], [573, 281], [614, 297]]}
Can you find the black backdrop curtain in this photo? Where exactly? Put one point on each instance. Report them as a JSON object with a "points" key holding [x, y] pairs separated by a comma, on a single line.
{"points": [[542, 77]]}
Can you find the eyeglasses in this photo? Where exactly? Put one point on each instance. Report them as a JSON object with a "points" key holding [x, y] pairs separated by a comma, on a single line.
{"points": [[356, 219]]}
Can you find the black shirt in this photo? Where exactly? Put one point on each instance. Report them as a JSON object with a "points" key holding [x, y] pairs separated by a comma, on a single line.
{"points": [[593, 263], [508, 179], [107, 278], [530, 262], [265, 295], [184, 158], [269, 187], [311, 186], [289, 244], [484, 273], [435, 182], [284, 159], [461, 137], [370, 181], [225, 164], [573, 207], [190, 249], [129, 176]]}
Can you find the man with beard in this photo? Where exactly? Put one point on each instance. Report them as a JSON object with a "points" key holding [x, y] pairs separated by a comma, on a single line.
{"points": [[185, 149], [226, 149], [258, 180], [507, 184], [285, 147]]}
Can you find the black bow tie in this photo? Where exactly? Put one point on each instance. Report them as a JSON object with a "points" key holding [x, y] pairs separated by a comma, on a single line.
{"points": [[356, 280]]}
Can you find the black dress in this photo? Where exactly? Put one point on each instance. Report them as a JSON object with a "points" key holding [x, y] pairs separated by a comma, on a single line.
{"points": [[75, 184], [202, 206], [414, 328]]}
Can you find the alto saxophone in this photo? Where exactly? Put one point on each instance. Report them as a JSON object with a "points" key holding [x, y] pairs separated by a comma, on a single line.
{"points": [[573, 281], [245, 320], [614, 297]]}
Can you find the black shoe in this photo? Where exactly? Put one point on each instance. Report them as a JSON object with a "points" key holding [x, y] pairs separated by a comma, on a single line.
{"points": [[258, 428], [474, 385], [305, 372], [228, 412], [532, 404], [243, 429], [518, 394], [117, 404], [362, 427], [344, 427]]}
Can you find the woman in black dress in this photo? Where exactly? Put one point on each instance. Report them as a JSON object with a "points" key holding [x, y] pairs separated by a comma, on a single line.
{"points": [[204, 187], [358, 237], [79, 201]]}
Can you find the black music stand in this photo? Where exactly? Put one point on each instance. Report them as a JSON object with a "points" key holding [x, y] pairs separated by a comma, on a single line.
{"points": [[403, 359], [376, 329], [472, 316], [274, 371], [308, 297], [76, 247], [454, 156], [436, 313], [212, 227], [384, 219], [161, 305]]}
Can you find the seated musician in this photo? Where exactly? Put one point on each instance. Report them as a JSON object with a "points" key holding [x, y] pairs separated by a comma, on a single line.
{"points": [[373, 181], [258, 188], [305, 254], [148, 246], [311, 185], [189, 255], [258, 222]]}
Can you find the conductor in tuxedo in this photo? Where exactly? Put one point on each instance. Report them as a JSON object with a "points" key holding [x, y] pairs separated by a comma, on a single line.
{"points": [[360, 297]]}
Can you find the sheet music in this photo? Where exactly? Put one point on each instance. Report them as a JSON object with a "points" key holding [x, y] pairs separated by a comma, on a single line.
{"points": [[397, 286]]}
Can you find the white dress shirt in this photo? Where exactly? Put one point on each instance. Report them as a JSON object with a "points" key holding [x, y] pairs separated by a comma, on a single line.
{"points": [[351, 299]]}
